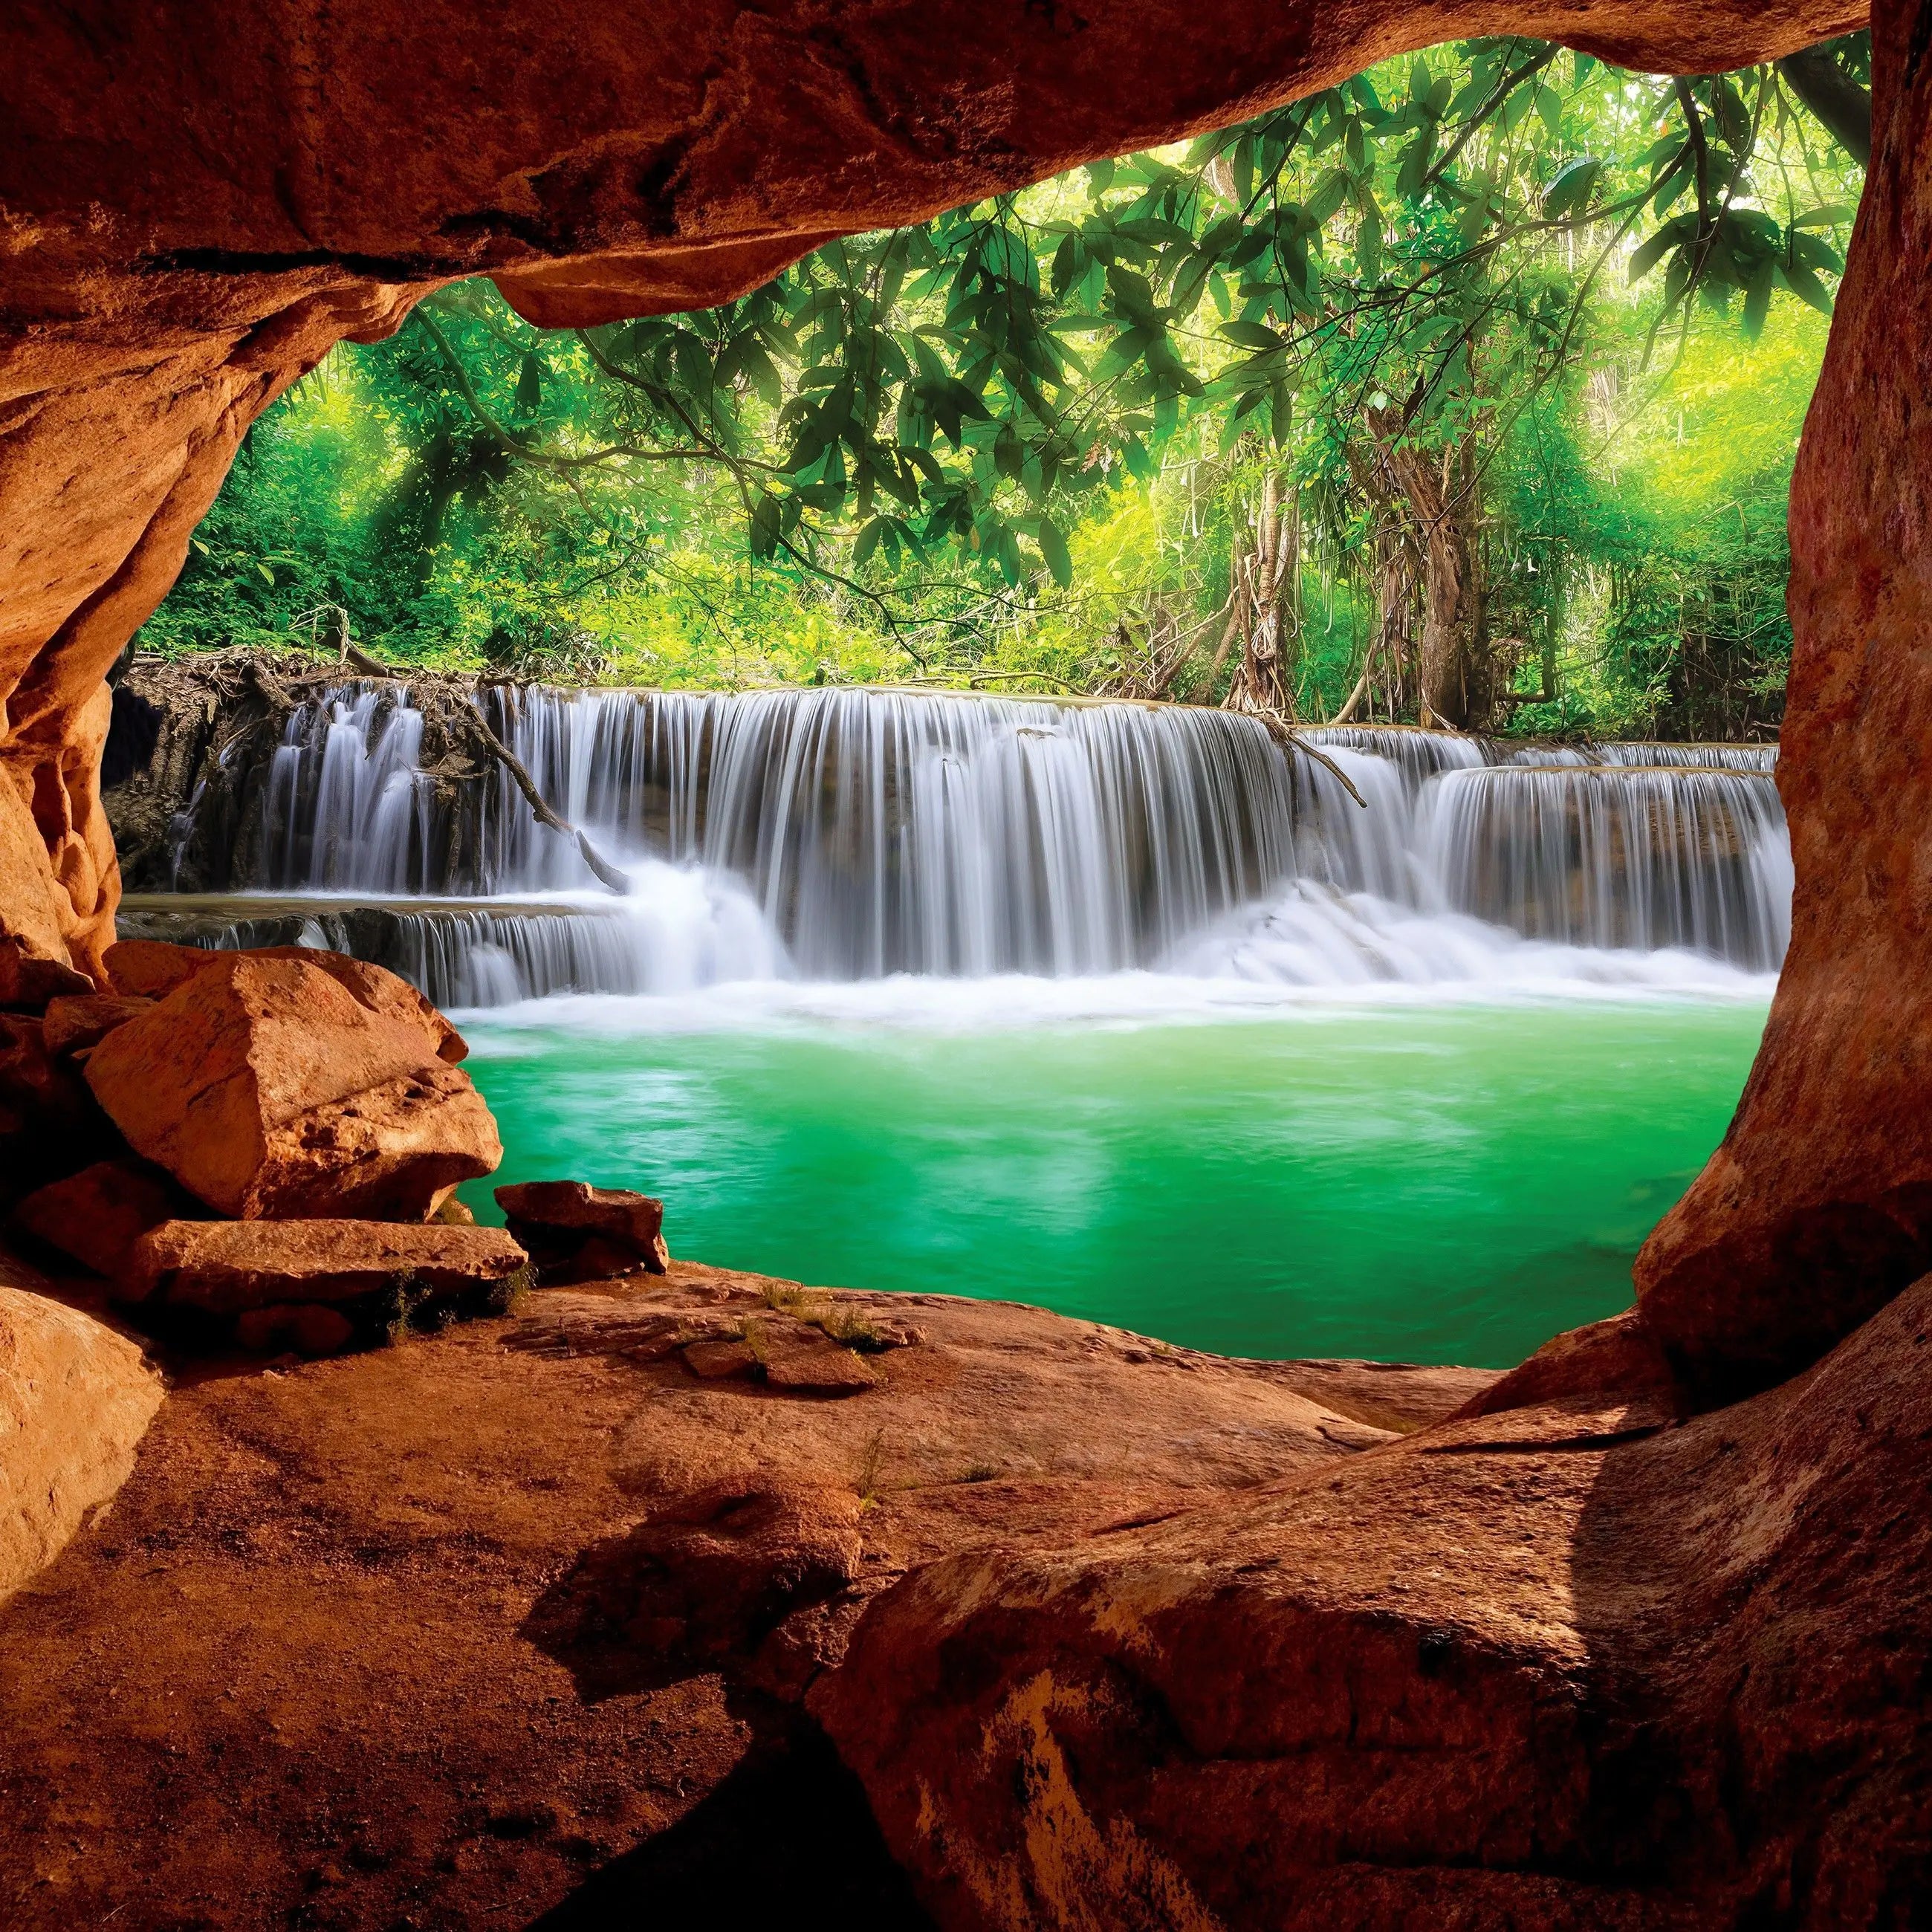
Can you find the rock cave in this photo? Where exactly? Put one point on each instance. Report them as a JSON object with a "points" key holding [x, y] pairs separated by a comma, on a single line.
{"points": [[1637, 1634]]}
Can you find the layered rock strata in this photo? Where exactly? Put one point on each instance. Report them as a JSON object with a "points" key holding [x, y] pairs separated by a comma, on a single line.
{"points": [[226, 1266]]}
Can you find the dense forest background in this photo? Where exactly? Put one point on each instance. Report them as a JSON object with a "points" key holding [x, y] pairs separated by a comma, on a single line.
{"points": [[1466, 392]]}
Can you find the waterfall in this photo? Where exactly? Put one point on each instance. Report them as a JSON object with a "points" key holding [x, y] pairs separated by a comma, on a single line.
{"points": [[880, 833], [1642, 857], [846, 836]]}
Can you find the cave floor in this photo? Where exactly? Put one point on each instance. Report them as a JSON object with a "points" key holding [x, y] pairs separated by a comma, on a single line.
{"points": [[301, 1673]]}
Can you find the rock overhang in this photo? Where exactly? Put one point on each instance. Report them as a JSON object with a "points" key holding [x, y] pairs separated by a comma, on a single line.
{"points": [[199, 199]]}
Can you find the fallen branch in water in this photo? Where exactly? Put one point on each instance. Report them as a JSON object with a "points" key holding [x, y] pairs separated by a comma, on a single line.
{"points": [[616, 881], [1290, 739]]}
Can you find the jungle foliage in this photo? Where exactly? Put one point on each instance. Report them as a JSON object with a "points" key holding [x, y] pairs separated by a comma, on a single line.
{"points": [[1465, 391]]}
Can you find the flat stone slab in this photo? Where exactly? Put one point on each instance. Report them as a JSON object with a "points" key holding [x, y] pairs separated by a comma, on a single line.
{"points": [[225, 1267]]}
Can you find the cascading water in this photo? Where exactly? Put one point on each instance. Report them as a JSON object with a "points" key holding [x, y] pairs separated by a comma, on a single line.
{"points": [[1625, 857], [844, 836]]}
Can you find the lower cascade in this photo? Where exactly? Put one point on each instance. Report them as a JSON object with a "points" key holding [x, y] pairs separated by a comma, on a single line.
{"points": [[846, 836]]}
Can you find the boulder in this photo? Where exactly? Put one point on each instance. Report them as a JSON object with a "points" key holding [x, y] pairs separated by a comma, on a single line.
{"points": [[75, 1022], [576, 1232], [384, 992], [75, 1400], [156, 968], [270, 1092], [50, 1124], [225, 1267], [151, 969], [97, 1215], [1620, 1356]]}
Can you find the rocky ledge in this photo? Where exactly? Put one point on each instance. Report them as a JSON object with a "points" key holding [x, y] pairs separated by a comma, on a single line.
{"points": [[517, 1618]]}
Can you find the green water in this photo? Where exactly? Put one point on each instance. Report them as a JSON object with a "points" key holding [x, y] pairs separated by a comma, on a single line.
{"points": [[1433, 1183]]}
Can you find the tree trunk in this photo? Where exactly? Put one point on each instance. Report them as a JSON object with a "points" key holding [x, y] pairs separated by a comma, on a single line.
{"points": [[1441, 492], [1268, 600]]}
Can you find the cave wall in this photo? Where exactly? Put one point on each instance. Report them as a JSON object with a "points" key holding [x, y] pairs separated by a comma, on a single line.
{"points": [[1817, 1209], [199, 197]]}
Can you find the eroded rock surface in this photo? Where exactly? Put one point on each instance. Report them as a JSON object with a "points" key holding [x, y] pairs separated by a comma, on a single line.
{"points": [[436, 1627], [96, 1216], [153, 968], [225, 1267], [76, 1399], [576, 1232], [1569, 1666]]}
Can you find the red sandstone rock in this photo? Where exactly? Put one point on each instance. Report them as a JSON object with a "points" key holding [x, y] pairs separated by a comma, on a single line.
{"points": [[704, 1580], [1620, 1356], [151, 969], [50, 1124], [722, 1360], [270, 1092], [805, 1362], [228, 1266], [576, 1232], [351, 1550], [381, 992], [72, 1025], [156, 968], [97, 1215], [75, 1401], [34, 963], [1530, 1670]]}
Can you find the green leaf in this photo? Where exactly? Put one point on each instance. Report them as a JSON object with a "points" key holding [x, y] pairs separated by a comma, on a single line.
{"points": [[1571, 186], [1069, 262], [1653, 251], [1550, 109], [1806, 286], [1053, 548], [267, 575], [765, 525], [1829, 216], [1251, 335], [868, 541], [1330, 192], [1368, 248]]}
